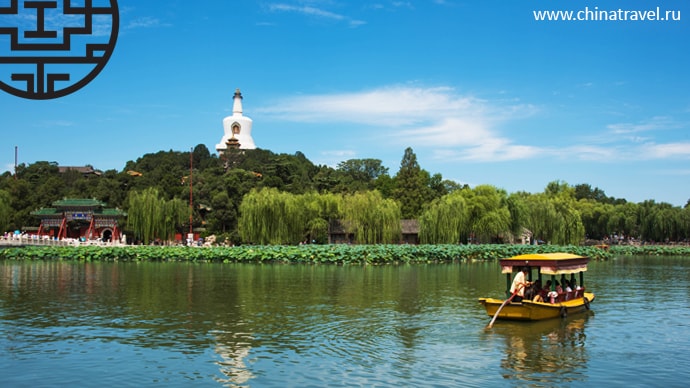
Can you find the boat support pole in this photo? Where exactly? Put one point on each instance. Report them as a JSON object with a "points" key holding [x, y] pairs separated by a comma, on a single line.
{"points": [[491, 324]]}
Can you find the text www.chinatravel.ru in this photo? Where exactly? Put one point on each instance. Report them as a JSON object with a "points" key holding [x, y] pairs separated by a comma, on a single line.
{"points": [[598, 15]]}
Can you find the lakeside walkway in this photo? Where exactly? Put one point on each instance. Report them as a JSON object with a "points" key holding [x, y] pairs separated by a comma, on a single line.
{"points": [[24, 240]]}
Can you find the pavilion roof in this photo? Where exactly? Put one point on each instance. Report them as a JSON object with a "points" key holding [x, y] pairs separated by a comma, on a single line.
{"points": [[86, 170], [94, 206], [46, 211]]}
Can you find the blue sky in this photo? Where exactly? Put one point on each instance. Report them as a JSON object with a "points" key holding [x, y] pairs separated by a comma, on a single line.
{"points": [[482, 92]]}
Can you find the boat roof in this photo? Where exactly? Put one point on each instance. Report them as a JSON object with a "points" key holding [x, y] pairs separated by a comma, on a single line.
{"points": [[558, 263]]}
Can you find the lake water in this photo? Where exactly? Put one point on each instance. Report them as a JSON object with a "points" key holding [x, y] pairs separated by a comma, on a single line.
{"points": [[243, 325]]}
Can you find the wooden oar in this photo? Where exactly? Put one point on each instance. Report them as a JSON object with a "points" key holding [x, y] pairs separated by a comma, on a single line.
{"points": [[491, 324]]}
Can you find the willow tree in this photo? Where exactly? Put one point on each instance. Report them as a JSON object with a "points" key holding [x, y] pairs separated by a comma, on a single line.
{"points": [[175, 214], [554, 217], [269, 216], [597, 217], [624, 219], [5, 210], [488, 214], [319, 210], [149, 216], [445, 220], [541, 218], [371, 218], [572, 231]]}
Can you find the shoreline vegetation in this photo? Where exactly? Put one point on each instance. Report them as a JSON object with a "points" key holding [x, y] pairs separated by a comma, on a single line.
{"points": [[340, 254]]}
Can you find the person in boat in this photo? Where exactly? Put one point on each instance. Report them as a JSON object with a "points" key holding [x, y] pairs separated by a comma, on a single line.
{"points": [[520, 282], [568, 291], [545, 291], [535, 292], [567, 286], [552, 296], [576, 287]]}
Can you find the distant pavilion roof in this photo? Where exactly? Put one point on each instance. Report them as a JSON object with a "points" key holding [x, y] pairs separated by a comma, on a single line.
{"points": [[94, 206], [86, 170]]}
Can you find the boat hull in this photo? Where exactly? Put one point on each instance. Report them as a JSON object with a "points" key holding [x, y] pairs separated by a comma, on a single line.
{"points": [[536, 311]]}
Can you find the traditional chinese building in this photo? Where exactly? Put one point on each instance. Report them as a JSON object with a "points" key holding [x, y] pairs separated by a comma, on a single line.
{"points": [[80, 218]]}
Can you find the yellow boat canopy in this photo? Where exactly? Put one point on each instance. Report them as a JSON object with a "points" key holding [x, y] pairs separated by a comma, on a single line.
{"points": [[548, 263]]}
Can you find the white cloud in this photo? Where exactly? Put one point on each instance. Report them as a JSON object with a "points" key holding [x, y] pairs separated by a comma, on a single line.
{"points": [[309, 10], [591, 153], [665, 151], [654, 124], [339, 153], [333, 157], [405, 4], [305, 9], [390, 106], [457, 126], [145, 22]]}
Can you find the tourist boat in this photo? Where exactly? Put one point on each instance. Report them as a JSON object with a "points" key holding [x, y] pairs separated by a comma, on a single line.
{"points": [[546, 266]]}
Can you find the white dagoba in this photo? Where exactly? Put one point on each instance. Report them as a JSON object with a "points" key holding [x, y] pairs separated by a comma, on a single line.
{"points": [[237, 128]]}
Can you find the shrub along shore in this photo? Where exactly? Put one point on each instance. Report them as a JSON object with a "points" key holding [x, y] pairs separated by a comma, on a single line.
{"points": [[316, 254]]}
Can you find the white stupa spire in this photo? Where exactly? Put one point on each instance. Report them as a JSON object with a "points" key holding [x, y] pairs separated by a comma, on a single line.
{"points": [[237, 126], [237, 104]]}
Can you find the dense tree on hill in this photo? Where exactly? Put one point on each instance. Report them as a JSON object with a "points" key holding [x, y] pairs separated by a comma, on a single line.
{"points": [[585, 191], [559, 214], [364, 170]]}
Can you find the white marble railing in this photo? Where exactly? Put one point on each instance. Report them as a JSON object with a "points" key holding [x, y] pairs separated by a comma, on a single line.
{"points": [[21, 240]]}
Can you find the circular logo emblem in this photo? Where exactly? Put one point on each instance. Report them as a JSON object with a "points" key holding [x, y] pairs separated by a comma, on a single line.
{"points": [[51, 48]]}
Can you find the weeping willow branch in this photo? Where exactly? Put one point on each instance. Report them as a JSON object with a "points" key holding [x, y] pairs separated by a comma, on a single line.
{"points": [[372, 219], [150, 216]]}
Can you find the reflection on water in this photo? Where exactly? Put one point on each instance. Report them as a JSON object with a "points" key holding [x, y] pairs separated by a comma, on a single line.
{"points": [[233, 349], [236, 325], [551, 351]]}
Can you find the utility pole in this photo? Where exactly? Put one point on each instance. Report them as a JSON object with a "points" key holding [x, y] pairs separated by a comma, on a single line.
{"points": [[191, 206]]}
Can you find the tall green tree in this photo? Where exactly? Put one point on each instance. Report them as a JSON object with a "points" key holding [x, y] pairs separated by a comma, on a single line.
{"points": [[411, 186], [365, 170]]}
